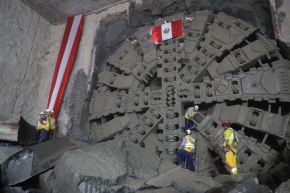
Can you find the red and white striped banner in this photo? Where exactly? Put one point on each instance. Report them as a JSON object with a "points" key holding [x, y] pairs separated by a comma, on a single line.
{"points": [[65, 61], [167, 31]]}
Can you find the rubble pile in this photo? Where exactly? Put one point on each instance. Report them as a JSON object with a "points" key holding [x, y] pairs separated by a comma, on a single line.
{"points": [[105, 167], [284, 187]]}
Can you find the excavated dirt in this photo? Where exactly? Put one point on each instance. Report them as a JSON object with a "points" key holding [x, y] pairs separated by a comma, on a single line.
{"points": [[284, 187], [105, 166]]}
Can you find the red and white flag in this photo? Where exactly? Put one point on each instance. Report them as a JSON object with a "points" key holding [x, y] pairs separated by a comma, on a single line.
{"points": [[167, 31], [65, 61]]}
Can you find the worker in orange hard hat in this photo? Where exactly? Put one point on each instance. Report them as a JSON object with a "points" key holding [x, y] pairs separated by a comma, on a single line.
{"points": [[230, 147]]}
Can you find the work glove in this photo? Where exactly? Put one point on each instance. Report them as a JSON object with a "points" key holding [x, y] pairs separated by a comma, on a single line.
{"points": [[228, 148]]}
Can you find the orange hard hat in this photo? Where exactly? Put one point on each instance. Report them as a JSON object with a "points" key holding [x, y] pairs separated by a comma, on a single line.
{"points": [[226, 123]]}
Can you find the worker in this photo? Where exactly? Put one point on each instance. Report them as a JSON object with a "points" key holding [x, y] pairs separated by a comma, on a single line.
{"points": [[187, 151], [189, 115], [230, 147], [42, 127], [51, 122]]}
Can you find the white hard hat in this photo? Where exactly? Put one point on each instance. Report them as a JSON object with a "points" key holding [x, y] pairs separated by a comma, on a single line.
{"points": [[188, 131], [196, 107], [49, 111]]}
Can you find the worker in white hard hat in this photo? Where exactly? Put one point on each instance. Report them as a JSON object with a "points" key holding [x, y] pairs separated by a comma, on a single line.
{"points": [[46, 125], [42, 127], [231, 147], [186, 152], [51, 122], [189, 116]]}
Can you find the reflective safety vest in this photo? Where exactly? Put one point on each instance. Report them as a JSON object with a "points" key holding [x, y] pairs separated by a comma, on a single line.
{"points": [[42, 125], [231, 139], [189, 145], [52, 123], [190, 113]]}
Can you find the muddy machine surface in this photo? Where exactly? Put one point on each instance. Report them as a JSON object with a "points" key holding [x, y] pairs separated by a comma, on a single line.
{"points": [[224, 65]]}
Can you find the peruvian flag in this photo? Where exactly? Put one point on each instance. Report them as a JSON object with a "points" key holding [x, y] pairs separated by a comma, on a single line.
{"points": [[167, 31], [65, 61]]}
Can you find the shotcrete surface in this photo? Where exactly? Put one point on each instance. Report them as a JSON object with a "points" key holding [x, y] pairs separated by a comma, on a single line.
{"points": [[29, 46]]}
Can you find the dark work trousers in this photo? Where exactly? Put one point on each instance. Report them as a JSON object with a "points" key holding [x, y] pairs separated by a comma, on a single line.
{"points": [[189, 124], [51, 134], [182, 155], [42, 136]]}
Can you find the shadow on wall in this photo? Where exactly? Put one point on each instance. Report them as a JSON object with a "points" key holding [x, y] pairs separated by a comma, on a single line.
{"points": [[112, 32], [27, 133], [256, 12]]}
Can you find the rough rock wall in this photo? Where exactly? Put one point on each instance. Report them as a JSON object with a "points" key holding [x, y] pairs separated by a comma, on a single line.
{"points": [[80, 83], [29, 49], [113, 166], [281, 23], [29, 46], [7, 151], [256, 12], [283, 188], [57, 11]]}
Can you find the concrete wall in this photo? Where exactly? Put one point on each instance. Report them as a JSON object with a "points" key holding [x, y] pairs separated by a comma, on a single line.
{"points": [[28, 52], [29, 45], [56, 11]]}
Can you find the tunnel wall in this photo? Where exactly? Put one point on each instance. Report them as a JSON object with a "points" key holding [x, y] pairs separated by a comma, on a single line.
{"points": [[77, 95], [29, 49], [29, 46], [56, 11]]}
